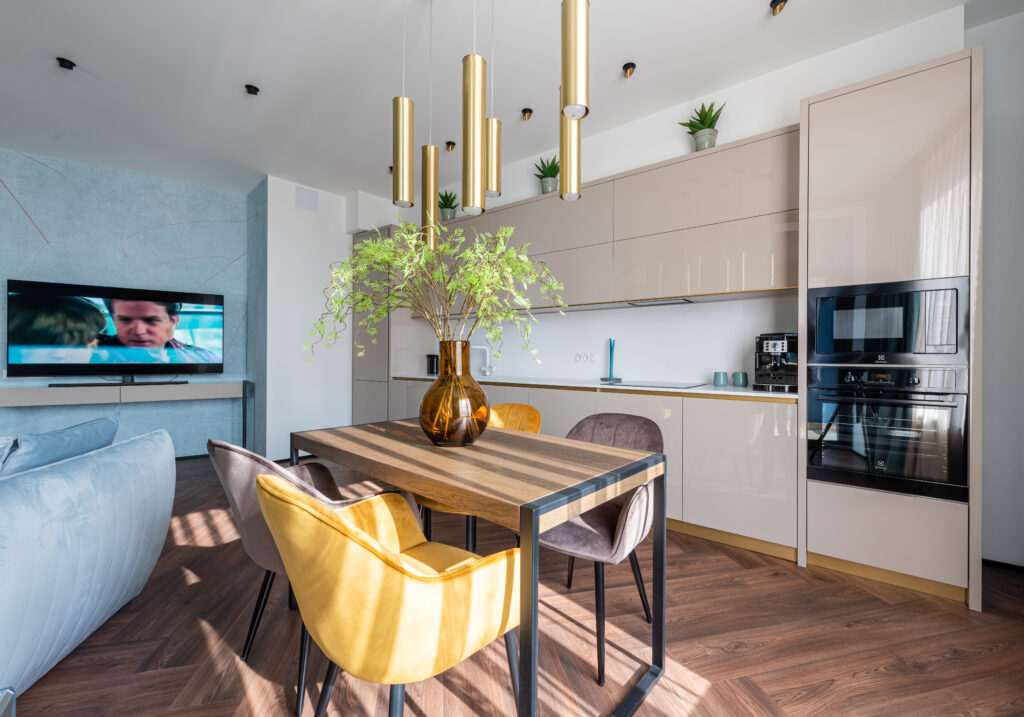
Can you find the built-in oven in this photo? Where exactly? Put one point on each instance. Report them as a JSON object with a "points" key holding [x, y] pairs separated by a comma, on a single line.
{"points": [[895, 429], [920, 322]]}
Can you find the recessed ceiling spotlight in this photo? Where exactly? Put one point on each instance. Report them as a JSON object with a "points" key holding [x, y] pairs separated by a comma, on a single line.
{"points": [[776, 6], [527, 113], [449, 145], [252, 89], [65, 64], [391, 169], [628, 69]]}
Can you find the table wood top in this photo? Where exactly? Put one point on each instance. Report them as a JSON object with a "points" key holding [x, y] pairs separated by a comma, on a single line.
{"points": [[495, 477]]}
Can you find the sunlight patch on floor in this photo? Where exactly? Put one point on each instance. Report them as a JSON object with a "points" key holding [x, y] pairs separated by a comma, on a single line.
{"points": [[203, 528]]}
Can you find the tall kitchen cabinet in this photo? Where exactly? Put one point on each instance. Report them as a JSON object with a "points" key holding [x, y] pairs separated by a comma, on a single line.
{"points": [[371, 371], [890, 190]]}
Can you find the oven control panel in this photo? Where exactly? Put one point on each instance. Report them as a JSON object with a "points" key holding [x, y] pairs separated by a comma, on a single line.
{"points": [[931, 380]]}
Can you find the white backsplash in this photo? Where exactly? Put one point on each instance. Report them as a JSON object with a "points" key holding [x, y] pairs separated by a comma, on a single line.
{"points": [[668, 343]]}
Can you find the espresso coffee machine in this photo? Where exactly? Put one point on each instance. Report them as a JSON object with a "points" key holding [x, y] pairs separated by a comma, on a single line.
{"points": [[775, 363]]}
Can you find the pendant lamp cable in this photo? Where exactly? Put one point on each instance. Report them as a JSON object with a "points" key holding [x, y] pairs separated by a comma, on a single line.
{"points": [[430, 72], [404, 6], [493, 71], [474, 27]]}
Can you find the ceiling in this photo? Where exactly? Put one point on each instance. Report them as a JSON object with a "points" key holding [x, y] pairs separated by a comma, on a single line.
{"points": [[159, 86]]}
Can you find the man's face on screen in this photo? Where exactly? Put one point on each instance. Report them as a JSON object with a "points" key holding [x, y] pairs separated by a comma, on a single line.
{"points": [[143, 324]]}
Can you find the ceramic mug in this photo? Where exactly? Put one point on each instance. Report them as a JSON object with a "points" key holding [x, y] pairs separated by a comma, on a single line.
{"points": [[721, 378], [739, 379]]}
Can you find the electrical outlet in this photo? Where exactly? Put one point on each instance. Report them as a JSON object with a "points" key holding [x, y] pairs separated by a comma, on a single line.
{"points": [[578, 358], [593, 358]]}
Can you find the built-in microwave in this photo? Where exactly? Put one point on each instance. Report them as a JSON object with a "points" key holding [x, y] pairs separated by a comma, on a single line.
{"points": [[921, 322]]}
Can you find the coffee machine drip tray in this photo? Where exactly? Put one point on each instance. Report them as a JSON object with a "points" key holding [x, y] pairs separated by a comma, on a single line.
{"points": [[774, 388]]}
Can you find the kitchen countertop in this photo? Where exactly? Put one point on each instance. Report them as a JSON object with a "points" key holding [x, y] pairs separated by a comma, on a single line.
{"points": [[705, 391]]}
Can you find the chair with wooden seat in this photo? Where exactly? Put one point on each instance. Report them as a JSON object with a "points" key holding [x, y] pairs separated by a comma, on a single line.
{"points": [[382, 602], [610, 533], [512, 416], [237, 469]]}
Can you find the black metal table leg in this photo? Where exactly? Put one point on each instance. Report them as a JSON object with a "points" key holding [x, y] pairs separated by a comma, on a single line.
{"points": [[529, 576]]}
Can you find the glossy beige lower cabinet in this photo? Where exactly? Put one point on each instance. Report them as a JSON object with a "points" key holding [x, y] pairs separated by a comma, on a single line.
{"points": [[505, 394], [744, 179], [890, 203], [908, 534], [744, 255], [739, 467], [667, 412], [561, 409], [369, 401], [404, 399], [586, 273]]}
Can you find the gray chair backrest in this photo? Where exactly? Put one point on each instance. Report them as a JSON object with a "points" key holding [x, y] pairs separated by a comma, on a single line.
{"points": [[237, 469], [624, 430]]}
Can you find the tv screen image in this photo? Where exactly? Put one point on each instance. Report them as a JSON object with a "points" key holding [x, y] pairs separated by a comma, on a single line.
{"points": [[72, 329]]}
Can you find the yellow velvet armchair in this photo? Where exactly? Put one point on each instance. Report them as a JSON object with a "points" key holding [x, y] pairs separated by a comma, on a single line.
{"points": [[512, 416], [381, 601]]}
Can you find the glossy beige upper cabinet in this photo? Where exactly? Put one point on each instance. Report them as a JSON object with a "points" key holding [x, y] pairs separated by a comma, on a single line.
{"points": [[586, 273], [736, 181], [753, 254], [888, 170], [550, 224]]}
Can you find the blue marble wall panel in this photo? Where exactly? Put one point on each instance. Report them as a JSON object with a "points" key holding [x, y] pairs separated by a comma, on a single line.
{"points": [[80, 223], [256, 296]]}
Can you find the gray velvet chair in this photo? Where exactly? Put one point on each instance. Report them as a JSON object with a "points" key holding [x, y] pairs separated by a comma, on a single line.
{"points": [[610, 532], [237, 469]]}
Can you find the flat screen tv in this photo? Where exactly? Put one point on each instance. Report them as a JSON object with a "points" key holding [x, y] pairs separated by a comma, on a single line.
{"points": [[77, 330]]}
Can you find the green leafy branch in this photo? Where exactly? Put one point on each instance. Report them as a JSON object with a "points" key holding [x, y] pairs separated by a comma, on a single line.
{"points": [[462, 285]]}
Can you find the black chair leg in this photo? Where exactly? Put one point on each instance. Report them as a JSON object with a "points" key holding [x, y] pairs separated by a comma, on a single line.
{"points": [[325, 693], [292, 604], [261, 602], [425, 516], [512, 650], [396, 705], [303, 660], [638, 576], [599, 594], [471, 533], [568, 579]]}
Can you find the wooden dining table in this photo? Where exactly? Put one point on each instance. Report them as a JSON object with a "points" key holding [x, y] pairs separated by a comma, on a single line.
{"points": [[526, 482]]}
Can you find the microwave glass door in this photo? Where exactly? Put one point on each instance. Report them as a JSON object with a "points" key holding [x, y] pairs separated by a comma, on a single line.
{"points": [[918, 322]]}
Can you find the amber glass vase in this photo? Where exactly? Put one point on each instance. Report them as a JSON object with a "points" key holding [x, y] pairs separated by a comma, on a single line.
{"points": [[454, 410]]}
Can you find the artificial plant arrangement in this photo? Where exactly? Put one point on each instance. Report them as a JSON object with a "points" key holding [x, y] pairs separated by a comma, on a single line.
{"points": [[702, 125], [458, 285], [547, 173]]}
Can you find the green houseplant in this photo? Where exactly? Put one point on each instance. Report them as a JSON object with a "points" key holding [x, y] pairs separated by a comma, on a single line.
{"points": [[547, 173], [458, 285], [702, 126], [446, 202]]}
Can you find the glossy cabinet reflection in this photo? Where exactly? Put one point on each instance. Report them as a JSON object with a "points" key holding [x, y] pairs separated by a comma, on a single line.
{"points": [[369, 401], [740, 467], [753, 254], [889, 180], [586, 274], [736, 181], [561, 409], [667, 412]]}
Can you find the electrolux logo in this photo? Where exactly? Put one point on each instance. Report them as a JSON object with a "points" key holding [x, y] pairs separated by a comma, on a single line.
{"points": [[881, 358]]}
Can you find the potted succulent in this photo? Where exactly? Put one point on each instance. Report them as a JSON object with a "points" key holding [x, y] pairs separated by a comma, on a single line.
{"points": [[702, 126], [458, 284], [547, 173], [446, 202]]}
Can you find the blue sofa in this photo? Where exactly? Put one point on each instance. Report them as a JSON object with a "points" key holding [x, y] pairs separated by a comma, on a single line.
{"points": [[78, 539]]}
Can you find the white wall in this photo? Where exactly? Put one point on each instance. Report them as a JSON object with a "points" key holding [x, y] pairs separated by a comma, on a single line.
{"points": [[1003, 246], [687, 342], [757, 105], [301, 245]]}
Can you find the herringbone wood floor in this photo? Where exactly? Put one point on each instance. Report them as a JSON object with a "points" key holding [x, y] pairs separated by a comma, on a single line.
{"points": [[748, 635]]}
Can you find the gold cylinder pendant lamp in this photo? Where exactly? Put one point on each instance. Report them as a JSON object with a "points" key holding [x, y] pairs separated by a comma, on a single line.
{"points": [[576, 58], [569, 156], [493, 157], [428, 193], [474, 72], [401, 146]]}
